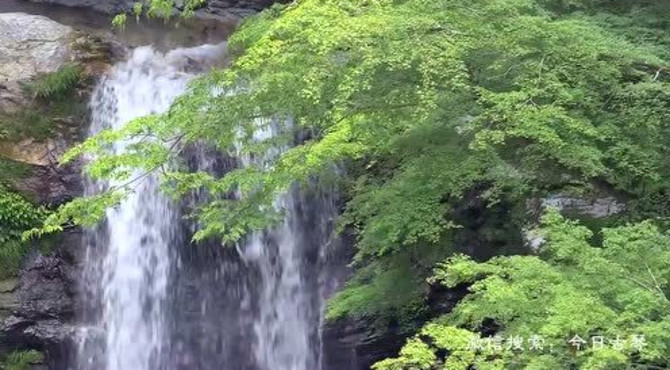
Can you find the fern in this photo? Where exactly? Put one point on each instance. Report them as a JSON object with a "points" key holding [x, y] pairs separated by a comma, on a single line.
{"points": [[57, 85]]}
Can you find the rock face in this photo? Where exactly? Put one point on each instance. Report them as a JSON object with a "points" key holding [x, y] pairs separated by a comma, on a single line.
{"points": [[45, 182], [596, 207], [32, 45], [353, 344], [9, 300], [43, 308], [29, 45], [224, 9], [106, 6]]}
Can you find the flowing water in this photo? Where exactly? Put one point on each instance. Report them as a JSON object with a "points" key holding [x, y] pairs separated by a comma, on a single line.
{"points": [[152, 300]]}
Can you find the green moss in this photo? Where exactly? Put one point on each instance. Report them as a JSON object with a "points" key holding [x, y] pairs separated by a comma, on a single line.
{"points": [[13, 170], [28, 122], [21, 360]]}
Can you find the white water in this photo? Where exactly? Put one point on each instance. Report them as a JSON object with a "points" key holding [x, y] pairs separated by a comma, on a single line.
{"points": [[284, 327], [130, 278]]}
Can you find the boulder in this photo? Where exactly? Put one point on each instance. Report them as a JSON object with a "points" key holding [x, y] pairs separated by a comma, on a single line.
{"points": [[29, 45]]}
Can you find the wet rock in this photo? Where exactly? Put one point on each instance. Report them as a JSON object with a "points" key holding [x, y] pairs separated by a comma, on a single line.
{"points": [[38, 333], [105, 6], [51, 184], [46, 288], [42, 179], [9, 301], [353, 344], [43, 309]]}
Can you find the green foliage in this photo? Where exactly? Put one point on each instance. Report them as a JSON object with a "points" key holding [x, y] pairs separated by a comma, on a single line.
{"points": [[137, 10], [419, 355], [57, 85], [164, 9], [27, 122], [16, 216], [22, 360], [385, 291], [13, 169], [119, 21], [572, 288], [39, 121]]}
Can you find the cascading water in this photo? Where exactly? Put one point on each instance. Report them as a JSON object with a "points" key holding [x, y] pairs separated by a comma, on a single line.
{"points": [[129, 259], [153, 301], [289, 311]]}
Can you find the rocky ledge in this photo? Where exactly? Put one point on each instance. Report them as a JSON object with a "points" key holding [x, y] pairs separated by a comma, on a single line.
{"points": [[217, 9]]}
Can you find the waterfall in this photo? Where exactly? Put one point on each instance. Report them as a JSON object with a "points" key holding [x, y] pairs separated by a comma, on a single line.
{"points": [[289, 310], [129, 259], [154, 301]]}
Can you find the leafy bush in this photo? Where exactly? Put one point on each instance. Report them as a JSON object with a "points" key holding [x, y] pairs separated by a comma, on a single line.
{"points": [[16, 216], [617, 290]]}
